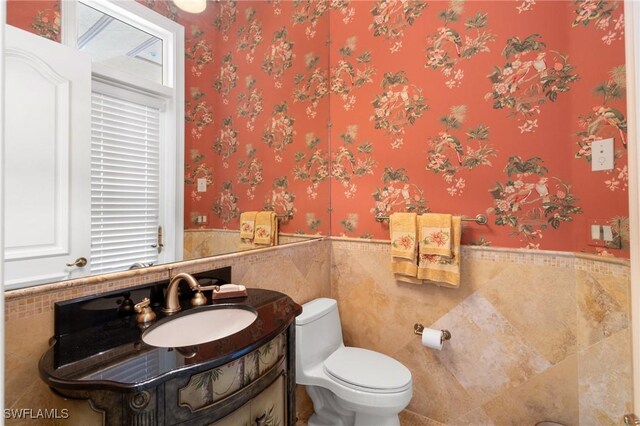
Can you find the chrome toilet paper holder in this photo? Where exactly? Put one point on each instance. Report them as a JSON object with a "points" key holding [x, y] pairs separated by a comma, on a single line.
{"points": [[419, 328]]}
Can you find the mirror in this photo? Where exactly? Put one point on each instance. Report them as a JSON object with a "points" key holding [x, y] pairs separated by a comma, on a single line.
{"points": [[256, 110]]}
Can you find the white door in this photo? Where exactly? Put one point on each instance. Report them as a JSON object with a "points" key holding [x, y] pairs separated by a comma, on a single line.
{"points": [[47, 160]]}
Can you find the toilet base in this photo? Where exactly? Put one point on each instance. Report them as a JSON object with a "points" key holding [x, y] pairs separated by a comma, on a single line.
{"points": [[316, 420], [326, 411], [330, 411], [367, 420], [360, 420]]}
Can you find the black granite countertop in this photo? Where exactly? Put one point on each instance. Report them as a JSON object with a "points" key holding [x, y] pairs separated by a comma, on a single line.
{"points": [[108, 353]]}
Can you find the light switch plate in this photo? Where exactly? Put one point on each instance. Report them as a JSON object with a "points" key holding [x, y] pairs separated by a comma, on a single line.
{"points": [[202, 185], [602, 155]]}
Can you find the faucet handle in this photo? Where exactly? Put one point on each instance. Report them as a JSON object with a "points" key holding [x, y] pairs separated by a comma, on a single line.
{"points": [[144, 311], [198, 298], [214, 287], [212, 284], [139, 307]]}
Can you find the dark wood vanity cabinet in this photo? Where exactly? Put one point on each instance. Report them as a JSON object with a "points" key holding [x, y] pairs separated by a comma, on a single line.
{"points": [[255, 389], [247, 378]]}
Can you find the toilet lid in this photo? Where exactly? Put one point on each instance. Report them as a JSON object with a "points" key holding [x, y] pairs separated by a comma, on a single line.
{"points": [[367, 369]]}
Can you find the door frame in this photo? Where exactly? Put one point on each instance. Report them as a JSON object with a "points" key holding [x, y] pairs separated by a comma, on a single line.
{"points": [[3, 21], [171, 89], [632, 53]]}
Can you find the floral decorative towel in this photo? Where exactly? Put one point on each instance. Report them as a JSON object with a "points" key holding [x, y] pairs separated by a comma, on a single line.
{"points": [[443, 270], [266, 228], [435, 234], [402, 229], [247, 225]]}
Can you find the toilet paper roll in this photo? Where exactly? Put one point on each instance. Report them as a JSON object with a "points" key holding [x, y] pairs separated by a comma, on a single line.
{"points": [[432, 338]]}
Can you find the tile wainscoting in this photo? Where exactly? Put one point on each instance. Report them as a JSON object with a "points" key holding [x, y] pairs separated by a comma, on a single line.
{"points": [[213, 242], [300, 270], [537, 335]]}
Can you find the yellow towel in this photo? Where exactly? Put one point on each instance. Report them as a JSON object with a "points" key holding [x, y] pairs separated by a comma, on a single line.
{"points": [[443, 270], [274, 229], [402, 229], [275, 224], [410, 280], [246, 244], [434, 232], [266, 228], [247, 225]]}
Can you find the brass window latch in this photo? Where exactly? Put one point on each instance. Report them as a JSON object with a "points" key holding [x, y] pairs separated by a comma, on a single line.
{"points": [[160, 245]]}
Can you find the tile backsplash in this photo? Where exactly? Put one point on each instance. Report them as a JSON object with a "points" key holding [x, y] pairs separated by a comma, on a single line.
{"points": [[547, 328]]}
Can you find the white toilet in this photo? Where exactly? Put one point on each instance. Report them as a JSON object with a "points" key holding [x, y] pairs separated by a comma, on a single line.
{"points": [[348, 386]]}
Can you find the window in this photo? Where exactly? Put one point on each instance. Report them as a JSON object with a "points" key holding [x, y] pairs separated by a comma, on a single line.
{"points": [[137, 131], [125, 179], [114, 43]]}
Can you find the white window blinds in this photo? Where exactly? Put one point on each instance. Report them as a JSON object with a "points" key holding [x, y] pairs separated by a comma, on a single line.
{"points": [[125, 182]]}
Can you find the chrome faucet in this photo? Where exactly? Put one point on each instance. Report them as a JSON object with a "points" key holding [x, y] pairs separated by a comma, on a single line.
{"points": [[171, 301]]}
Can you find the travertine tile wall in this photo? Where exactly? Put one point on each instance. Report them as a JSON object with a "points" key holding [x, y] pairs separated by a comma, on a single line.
{"points": [[300, 270], [213, 242], [536, 335]]}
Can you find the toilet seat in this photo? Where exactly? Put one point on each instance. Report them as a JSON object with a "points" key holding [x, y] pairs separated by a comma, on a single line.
{"points": [[367, 371]]}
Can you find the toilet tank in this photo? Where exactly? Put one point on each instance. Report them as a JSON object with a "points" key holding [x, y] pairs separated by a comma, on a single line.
{"points": [[318, 333]]}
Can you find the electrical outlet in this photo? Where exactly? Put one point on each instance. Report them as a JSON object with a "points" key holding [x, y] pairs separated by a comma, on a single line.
{"points": [[604, 233], [200, 219]]}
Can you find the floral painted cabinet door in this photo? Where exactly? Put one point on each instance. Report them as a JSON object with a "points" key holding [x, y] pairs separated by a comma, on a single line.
{"points": [[266, 409]]}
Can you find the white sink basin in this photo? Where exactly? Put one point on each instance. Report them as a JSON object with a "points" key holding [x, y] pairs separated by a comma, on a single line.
{"points": [[201, 326]]}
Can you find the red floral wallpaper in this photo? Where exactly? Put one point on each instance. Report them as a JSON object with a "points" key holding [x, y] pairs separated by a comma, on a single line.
{"points": [[443, 106], [40, 17], [257, 113]]}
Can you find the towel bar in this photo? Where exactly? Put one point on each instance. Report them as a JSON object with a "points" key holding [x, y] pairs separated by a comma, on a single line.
{"points": [[480, 219]]}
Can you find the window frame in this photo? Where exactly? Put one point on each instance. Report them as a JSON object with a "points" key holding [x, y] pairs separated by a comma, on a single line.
{"points": [[171, 92]]}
